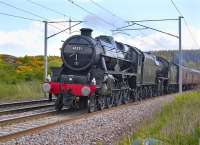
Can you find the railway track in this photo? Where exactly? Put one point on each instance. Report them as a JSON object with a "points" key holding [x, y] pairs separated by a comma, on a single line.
{"points": [[20, 126], [25, 109], [15, 127], [19, 112], [25, 125], [17, 107], [2, 105], [25, 117]]}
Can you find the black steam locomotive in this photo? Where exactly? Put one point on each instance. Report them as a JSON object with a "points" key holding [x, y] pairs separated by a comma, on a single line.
{"points": [[100, 72]]}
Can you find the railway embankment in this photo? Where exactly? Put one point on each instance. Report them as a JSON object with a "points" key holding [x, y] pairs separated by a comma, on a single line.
{"points": [[178, 123]]}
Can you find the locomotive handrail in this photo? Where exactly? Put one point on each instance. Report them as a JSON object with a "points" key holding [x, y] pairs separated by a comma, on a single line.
{"points": [[113, 48], [120, 73], [117, 58], [164, 78]]}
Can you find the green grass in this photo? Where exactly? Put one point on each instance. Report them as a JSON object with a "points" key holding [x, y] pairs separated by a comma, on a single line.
{"points": [[22, 80], [177, 124], [20, 91]]}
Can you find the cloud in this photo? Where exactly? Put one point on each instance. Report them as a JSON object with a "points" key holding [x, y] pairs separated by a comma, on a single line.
{"points": [[159, 41], [24, 41], [30, 40]]}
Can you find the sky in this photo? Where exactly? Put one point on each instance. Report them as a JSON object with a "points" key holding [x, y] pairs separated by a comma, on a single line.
{"points": [[21, 37]]}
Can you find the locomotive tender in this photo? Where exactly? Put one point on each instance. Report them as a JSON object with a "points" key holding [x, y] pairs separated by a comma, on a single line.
{"points": [[100, 72]]}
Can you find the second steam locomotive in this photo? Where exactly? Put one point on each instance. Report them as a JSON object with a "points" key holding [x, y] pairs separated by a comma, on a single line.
{"points": [[101, 72]]}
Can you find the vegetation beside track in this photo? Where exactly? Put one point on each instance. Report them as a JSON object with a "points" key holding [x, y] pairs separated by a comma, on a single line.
{"points": [[177, 124], [20, 91], [21, 77]]}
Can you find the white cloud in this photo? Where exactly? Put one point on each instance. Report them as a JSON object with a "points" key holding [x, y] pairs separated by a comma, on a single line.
{"points": [[21, 42], [30, 41], [158, 41]]}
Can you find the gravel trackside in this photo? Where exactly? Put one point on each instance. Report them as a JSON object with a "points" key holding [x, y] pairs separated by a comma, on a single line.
{"points": [[106, 127]]}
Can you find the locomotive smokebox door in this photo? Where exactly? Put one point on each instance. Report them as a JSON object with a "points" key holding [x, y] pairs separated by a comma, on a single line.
{"points": [[78, 52]]}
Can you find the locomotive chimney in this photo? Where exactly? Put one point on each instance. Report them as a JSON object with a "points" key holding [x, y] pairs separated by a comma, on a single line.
{"points": [[86, 32]]}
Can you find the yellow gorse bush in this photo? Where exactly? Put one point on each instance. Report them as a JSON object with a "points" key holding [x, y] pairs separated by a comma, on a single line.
{"points": [[36, 63], [24, 69]]}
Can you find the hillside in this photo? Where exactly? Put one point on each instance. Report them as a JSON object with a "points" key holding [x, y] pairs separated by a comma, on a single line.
{"points": [[21, 77], [18, 69], [177, 123], [191, 58]]}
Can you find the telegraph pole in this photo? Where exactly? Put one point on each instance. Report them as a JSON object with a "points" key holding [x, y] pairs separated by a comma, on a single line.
{"points": [[180, 55], [45, 50]]}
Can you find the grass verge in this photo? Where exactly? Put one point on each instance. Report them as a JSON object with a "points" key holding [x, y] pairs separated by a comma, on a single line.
{"points": [[177, 124], [20, 91]]}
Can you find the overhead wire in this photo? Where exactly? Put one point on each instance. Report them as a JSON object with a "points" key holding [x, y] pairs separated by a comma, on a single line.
{"points": [[19, 17], [186, 23], [113, 14], [26, 11], [105, 9], [49, 9], [20, 9], [190, 31], [91, 13], [176, 8]]}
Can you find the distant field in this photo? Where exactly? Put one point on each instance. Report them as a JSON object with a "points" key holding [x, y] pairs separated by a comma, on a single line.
{"points": [[177, 124], [21, 77]]}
